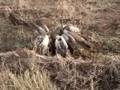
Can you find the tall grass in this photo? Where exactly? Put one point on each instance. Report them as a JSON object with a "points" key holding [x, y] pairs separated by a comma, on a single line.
{"points": [[27, 81]]}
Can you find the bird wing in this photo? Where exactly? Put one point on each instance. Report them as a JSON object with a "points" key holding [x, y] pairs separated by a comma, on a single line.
{"points": [[71, 28], [65, 37], [46, 28], [39, 29], [80, 39], [45, 41], [74, 28], [38, 40], [61, 46]]}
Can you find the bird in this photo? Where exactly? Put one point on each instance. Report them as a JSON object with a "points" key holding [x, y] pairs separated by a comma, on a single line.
{"points": [[73, 45], [53, 34], [75, 40], [60, 41], [58, 35], [61, 46], [75, 34], [82, 42], [41, 42], [40, 29], [71, 28]]}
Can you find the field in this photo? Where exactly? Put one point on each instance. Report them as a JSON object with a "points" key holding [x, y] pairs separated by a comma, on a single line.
{"points": [[92, 69]]}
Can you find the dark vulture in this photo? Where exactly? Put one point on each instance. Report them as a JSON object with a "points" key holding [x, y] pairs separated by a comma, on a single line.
{"points": [[74, 39]]}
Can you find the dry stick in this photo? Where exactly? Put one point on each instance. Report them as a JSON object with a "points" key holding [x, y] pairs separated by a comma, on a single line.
{"points": [[91, 83]]}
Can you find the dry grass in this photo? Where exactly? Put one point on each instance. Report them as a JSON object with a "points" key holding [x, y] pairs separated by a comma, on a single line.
{"points": [[27, 81], [99, 71]]}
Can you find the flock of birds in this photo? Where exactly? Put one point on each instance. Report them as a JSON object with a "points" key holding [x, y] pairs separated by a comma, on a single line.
{"points": [[65, 40], [61, 42]]}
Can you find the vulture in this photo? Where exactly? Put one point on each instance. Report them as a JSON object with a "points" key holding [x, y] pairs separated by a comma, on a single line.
{"points": [[72, 44], [74, 39], [59, 41], [61, 46], [63, 41], [74, 34], [71, 28], [41, 42]]}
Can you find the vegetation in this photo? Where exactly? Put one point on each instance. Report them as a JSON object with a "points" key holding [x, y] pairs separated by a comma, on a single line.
{"points": [[95, 69], [27, 81]]}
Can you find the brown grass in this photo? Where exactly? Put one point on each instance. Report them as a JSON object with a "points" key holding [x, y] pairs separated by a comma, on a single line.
{"points": [[25, 67], [99, 70], [28, 81]]}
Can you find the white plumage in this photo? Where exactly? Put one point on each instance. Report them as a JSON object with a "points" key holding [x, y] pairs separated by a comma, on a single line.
{"points": [[68, 36], [45, 41], [61, 41], [71, 28], [61, 46], [41, 43]]}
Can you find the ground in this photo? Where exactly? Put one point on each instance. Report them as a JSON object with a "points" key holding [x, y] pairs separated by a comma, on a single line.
{"points": [[98, 70]]}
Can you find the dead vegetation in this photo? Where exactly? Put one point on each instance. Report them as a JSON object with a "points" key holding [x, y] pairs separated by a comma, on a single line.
{"points": [[94, 69], [28, 81], [65, 73]]}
